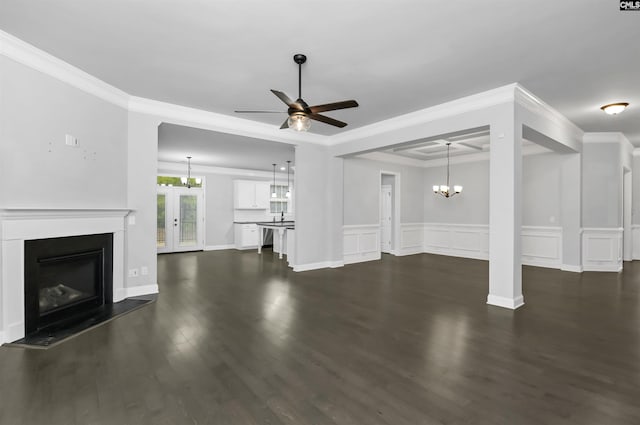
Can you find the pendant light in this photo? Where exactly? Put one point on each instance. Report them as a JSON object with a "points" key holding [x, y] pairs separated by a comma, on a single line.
{"points": [[288, 195], [444, 189], [186, 181], [273, 193]]}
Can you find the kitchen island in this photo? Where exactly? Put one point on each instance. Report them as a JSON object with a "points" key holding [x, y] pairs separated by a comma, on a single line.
{"points": [[281, 227]]}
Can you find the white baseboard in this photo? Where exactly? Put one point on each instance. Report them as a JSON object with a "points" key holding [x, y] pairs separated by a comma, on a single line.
{"points": [[571, 268], [602, 268], [336, 264], [312, 266], [136, 291], [219, 247], [504, 302]]}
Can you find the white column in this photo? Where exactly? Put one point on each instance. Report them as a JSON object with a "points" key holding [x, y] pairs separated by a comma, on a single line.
{"points": [[571, 213], [505, 215]]}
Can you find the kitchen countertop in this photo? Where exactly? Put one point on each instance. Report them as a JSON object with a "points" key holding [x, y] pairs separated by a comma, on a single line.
{"points": [[286, 224]]}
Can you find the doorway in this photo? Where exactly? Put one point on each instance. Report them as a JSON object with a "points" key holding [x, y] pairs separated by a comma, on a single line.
{"points": [[389, 212], [180, 219], [627, 238]]}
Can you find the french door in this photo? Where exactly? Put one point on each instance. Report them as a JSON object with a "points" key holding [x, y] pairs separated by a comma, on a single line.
{"points": [[180, 219]]}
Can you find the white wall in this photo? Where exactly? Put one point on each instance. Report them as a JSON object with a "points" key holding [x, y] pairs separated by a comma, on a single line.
{"points": [[541, 187], [541, 199], [602, 185], [37, 169], [469, 207], [362, 191]]}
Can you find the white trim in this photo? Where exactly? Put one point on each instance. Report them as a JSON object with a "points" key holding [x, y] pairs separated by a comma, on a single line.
{"points": [[137, 291], [219, 247], [336, 264], [571, 268], [361, 243], [2, 340], [314, 266], [602, 249], [604, 137], [528, 100], [34, 58], [213, 121], [177, 168], [458, 106], [504, 302], [359, 226], [411, 239], [541, 246], [18, 225]]}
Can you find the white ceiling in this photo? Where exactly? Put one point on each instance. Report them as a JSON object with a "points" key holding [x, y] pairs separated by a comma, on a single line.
{"points": [[392, 56], [216, 149]]}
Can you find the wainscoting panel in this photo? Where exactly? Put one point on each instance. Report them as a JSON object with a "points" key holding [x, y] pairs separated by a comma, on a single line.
{"points": [[411, 239], [635, 237], [361, 243], [542, 246], [458, 240], [602, 249]]}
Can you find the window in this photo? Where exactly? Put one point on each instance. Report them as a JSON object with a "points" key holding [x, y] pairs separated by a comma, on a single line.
{"points": [[279, 204]]}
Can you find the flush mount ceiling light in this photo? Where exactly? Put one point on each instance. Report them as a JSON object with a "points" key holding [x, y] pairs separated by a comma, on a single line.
{"points": [[614, 108], [443, 189]]}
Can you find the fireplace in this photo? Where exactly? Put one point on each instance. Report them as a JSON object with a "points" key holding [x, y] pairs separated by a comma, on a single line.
{"points": [[66, 279]]}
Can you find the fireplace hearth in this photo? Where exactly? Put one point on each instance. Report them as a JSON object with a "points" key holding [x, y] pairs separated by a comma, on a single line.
{"points": [[67, 279]]}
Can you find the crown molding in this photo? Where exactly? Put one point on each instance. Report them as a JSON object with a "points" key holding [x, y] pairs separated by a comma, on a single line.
{"points": [[604, 137], [528, 100], [34, 58], [178, 168], [184, 115], [444, 110], [531, 149]]}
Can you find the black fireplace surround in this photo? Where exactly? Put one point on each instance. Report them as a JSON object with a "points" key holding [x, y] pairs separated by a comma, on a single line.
{"points": [[66, 279]]}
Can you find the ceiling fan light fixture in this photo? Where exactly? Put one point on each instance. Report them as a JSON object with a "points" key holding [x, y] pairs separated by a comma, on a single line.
{"points": [[299, 122], [614, 108]]}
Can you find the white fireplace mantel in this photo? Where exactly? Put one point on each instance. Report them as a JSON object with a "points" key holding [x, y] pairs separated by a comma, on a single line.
{"points": [[20, 224]]}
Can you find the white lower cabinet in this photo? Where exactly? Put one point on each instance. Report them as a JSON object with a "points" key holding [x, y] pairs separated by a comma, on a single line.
{"points": [[246, 236]]}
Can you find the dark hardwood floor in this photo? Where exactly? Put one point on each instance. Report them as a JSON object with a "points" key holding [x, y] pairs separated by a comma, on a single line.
{"points": [[237, 338]]}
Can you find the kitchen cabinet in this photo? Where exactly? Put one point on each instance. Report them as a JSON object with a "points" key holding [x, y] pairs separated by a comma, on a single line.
{"points": [[251, 195], [246, 236]]}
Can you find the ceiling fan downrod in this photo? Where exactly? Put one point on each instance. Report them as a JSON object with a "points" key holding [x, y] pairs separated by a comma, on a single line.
{"points": [[299, 58]]}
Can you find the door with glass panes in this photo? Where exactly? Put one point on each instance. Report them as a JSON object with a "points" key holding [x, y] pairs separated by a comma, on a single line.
{"points": [[180, 219]]}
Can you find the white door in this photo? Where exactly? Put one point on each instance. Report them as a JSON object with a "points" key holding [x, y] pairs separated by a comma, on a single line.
{"points": [[385, 219], [180, 219]]}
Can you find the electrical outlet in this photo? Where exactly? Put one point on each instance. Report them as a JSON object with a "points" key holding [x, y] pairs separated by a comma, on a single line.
{"points": [[144, 270], [133, 272]]}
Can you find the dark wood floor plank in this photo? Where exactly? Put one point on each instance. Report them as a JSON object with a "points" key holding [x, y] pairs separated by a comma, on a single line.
{"points": [[238, 338]]}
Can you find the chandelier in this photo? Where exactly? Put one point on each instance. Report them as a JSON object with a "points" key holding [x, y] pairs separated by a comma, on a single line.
{"points": [[443, 189], [188, 181]]}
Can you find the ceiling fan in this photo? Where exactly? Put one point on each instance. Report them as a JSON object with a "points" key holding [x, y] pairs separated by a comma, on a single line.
{"points": [[300, 113]]}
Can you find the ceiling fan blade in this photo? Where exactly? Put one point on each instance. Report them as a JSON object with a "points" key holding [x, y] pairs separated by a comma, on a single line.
{"points": [[334, 106], [327, 120], [285, 124], [283, 97], [260, 112]]}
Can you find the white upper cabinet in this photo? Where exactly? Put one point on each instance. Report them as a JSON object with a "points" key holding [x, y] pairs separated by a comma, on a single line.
{"points": [[250, 195]]}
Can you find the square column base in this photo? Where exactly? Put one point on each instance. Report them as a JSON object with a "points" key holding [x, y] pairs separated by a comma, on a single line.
{"points": [[504, 302]]}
